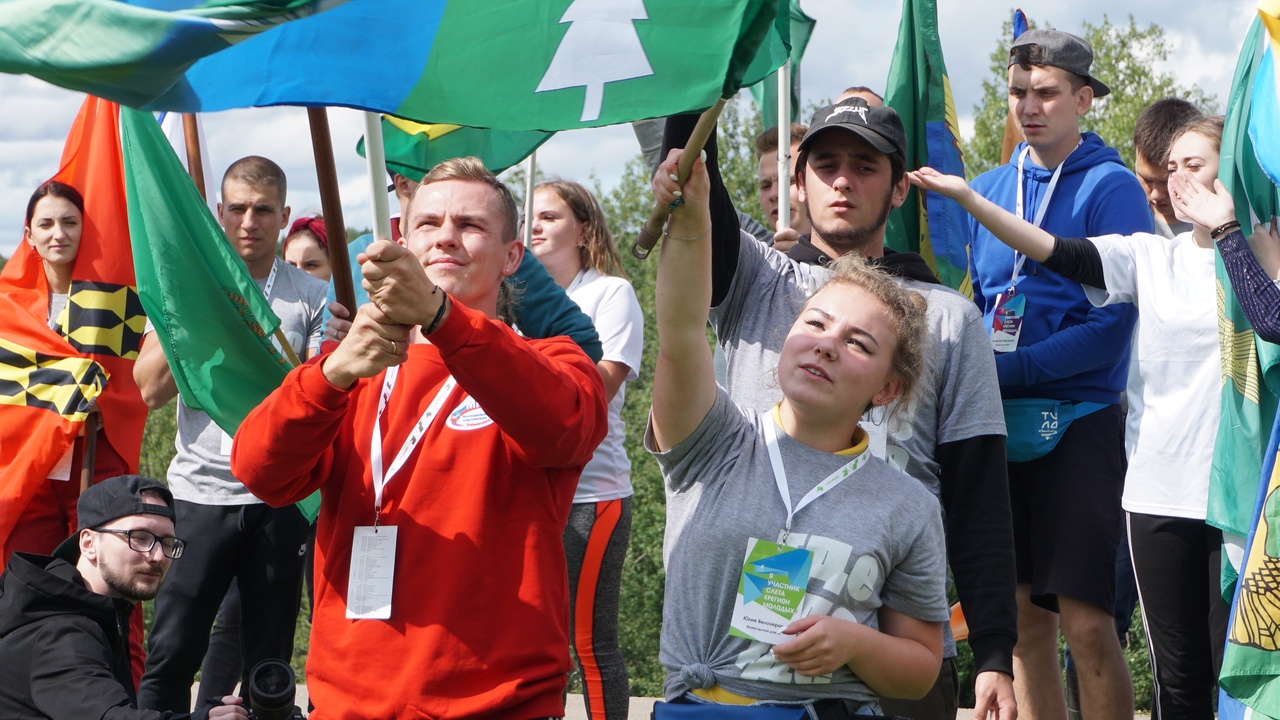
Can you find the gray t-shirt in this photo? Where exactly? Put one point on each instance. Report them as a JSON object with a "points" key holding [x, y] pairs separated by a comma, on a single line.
{"points": [[956, 398], [877, 541], [201, 471]]}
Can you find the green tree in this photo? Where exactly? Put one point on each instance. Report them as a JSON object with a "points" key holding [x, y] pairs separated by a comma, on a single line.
{"points": [[1125, 58]]}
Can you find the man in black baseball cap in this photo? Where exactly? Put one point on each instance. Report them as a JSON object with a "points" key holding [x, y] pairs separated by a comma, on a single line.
{"points": [[64, 618], [850, 169]]}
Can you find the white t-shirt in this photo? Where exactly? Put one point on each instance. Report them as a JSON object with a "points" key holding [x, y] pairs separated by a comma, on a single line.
{"points": [[1175, 379], [612, 306]]}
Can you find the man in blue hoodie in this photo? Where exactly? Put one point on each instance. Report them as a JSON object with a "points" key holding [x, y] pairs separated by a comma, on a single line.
{"points": [[1059, 358]]}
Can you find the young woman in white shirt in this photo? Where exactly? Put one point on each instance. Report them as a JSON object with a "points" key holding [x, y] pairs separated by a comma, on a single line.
{"points": [[571, 238]]}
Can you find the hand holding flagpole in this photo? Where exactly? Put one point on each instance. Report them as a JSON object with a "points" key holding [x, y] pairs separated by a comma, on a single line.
{"points": [[652, 229]]}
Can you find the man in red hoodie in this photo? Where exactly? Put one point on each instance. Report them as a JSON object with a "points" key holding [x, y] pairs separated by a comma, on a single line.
{"points": [[446, 449]]}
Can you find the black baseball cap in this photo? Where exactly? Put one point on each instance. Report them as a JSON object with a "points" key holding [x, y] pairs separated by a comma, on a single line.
{"points": [[1061, 50], [878, 125], [109, 500]]}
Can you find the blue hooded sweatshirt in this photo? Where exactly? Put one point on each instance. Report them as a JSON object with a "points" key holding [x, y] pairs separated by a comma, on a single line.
{"points": [[1068, 349]]}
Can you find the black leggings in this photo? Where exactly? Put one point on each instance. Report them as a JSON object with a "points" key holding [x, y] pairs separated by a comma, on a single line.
{"points": [[1177, 563], [595, 546]]}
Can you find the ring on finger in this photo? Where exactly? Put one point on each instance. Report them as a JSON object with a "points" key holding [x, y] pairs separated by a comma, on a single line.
{"points": [[394, 348]]}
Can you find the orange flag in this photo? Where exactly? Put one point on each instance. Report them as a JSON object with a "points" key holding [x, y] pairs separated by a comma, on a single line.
{"points": [[48, 377]]}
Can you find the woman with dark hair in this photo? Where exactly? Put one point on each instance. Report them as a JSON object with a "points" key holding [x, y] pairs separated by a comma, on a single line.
{"points": [[55, 221], [53, 228], [571, 238]]}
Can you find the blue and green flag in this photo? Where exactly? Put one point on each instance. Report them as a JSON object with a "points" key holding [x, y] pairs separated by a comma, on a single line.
{"points": [[128, 50], [918, 88], [1250, 678], [502, 64]]}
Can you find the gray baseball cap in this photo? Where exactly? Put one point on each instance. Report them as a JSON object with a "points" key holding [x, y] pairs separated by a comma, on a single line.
{"points": [[1061, 50]]}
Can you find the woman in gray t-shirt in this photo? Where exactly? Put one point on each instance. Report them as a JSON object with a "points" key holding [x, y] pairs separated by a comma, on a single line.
{"points": [[800, 568]]}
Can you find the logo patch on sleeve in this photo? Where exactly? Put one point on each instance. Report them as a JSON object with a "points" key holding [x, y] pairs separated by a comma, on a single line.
{"points": [[468, 416]]}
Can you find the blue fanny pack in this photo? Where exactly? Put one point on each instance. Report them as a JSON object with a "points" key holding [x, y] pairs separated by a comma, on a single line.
{"points": [[713, 711], [1035, 425]]}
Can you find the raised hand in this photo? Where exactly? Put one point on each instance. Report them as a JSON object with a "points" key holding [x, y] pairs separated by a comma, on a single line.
{"points": [[1197, 203], [398, 285], [952, 186]]}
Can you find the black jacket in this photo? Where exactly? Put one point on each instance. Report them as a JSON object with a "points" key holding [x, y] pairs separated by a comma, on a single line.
{"points": [[65, 648]]}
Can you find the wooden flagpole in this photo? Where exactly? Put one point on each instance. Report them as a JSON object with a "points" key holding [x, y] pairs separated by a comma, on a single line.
{"points": [[331, 206], [652, 230]]}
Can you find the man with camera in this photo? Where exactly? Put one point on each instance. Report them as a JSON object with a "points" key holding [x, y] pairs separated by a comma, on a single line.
{"points": [[64, 619]]}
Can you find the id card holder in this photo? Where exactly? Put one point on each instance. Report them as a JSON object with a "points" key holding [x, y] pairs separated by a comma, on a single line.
{"points": [[373, 569], [1006, 323], [773, 585]]}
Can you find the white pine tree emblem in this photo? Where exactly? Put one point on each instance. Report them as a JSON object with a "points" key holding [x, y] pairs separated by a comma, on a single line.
{"points": [[600, 46]]}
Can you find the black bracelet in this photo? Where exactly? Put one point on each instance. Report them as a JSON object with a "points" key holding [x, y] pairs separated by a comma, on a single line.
{"points": [[435, 321], [1223, 229]]}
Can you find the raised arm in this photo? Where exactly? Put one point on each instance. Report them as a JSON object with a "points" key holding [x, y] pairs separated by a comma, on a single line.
{"points": [[1007, 227], [545, 310], [723, 218], [684, 382]]}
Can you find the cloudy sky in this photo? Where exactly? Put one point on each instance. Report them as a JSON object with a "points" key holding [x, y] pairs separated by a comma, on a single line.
{"points": [[852, 45]]}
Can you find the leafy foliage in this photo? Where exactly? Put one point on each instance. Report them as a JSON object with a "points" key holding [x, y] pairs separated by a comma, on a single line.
{"points": [[1125, 58]]}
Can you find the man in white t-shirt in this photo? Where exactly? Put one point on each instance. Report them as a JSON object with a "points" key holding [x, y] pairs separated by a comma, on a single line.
{"points": [[233, 534]]}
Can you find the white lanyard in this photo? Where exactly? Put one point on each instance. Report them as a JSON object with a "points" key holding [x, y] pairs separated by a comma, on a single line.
{"points": [[1018, 258], [780, 475], [375, 445], [271, 279]]}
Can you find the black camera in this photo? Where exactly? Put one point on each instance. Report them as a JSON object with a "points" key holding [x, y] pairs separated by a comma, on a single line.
{"points": [[272, 691]]}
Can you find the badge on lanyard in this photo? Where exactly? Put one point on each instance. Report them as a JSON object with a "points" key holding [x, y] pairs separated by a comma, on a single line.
{"points": [[373, 547], [775, 576], [373, 568], [772, 587], [1006, 321], [1011, 306]]}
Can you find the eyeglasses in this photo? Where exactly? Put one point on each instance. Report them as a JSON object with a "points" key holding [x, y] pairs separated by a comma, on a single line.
{"points": [[142, 541]]}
